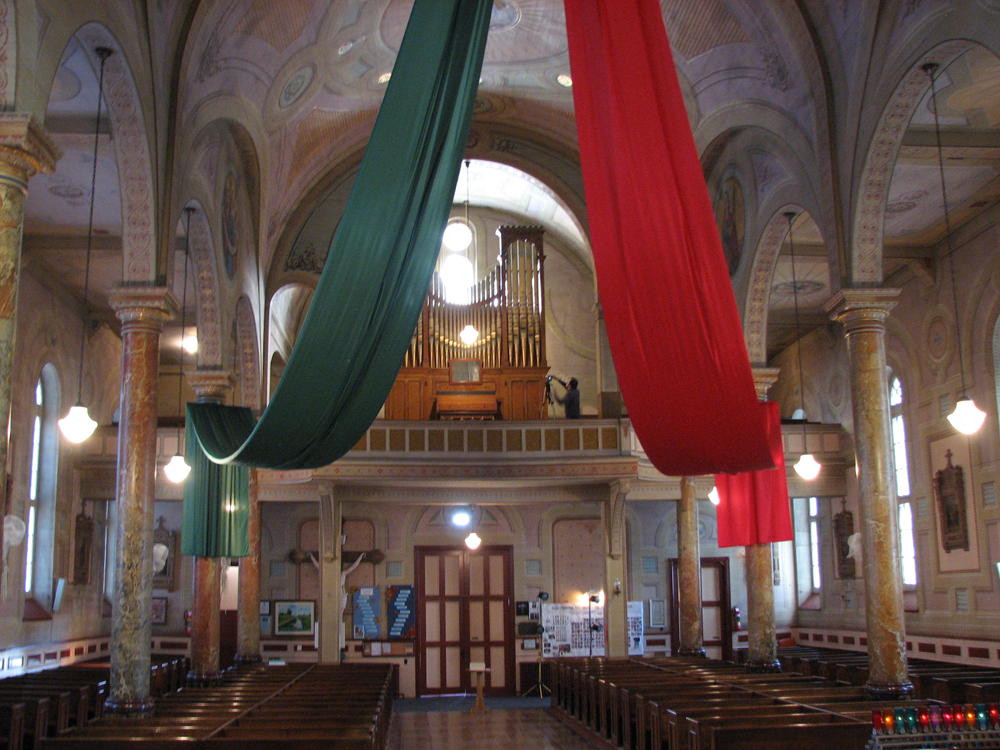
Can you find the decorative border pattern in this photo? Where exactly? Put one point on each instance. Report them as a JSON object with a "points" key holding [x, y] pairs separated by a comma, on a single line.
{"points": [[135, 166], [759, 292], [207, 286]]}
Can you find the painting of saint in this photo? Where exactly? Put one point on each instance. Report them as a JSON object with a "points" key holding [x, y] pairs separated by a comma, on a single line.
{"points": [[230, 222], [730, 217]]}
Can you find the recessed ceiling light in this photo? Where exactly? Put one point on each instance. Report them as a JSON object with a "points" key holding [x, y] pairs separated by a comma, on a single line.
{"points": [[344, 48], [384, 78], [564, 80]]}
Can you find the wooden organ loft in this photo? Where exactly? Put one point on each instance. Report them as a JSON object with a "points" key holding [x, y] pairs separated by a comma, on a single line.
{"points": [[502, 374]]}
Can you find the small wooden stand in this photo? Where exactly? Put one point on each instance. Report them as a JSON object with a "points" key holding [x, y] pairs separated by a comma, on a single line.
{"points": [[479, 668]]}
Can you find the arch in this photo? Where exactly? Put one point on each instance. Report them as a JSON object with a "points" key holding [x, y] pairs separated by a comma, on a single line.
{"points": [[202, 252], [8, 54], [765, 260], [876, 175], [133, 153], [248, 355]]}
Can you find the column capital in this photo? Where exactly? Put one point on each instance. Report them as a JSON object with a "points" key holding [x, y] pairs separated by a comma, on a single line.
{"points": [[211, 386], [764, 378], [26, 148], [862, 309], [138, 305]]}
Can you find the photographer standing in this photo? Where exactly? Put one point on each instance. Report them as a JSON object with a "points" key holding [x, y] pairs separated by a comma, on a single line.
{"points": [[571, 399]]}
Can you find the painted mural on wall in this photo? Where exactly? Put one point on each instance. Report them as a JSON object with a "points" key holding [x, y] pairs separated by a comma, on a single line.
{"points": [[954, 505], [949, 492], [730, 217]]}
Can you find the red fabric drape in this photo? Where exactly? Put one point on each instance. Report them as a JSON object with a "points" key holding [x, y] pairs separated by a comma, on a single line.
{"points": [[753, 506], [672, 321]]}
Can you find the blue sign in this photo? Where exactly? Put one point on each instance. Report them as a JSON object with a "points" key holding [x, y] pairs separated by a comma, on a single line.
{"points": [[402, 611]]}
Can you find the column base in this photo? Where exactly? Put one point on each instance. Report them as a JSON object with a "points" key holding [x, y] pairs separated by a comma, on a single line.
{"points": [[203, 679], [763, 667], [696, 652], [889, 691], [134, 709], [240, 659]]}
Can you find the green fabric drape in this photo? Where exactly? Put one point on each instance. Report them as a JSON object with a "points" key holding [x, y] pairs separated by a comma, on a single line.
{"points": [[369, 297], [216, 503]]}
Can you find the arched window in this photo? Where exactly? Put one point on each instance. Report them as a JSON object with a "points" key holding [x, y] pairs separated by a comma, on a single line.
{"points": [[42, 486], [907, 548]]}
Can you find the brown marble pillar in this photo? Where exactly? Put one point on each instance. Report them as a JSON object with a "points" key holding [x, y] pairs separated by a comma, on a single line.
{"points": [[615, 573], [25, 149], [212, 387], [248, 605], [689, 618], [142, 310], [762, 645], [863, 313]]}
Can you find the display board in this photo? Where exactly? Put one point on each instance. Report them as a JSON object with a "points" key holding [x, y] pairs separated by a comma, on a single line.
{"points": [[400, 606], [636, 636], [572, 630], [367, 613]]}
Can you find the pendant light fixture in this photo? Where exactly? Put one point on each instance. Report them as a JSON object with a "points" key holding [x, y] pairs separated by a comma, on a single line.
{"points": [[77, 425], [807, 466], [966, 417], [177, 469]]}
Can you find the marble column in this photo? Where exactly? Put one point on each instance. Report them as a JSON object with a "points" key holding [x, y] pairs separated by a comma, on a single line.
{"points": [[332, 603], [25, 149], [762, 645], [210, 387], [142, 311], [248, 604], [615, 573], [863, 313], [691, 636]]}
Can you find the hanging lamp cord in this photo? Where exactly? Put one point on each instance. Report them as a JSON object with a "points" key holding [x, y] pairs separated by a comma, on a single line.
{"points": [[930, 69], [790, 215], [103, 53], [180, 376]]}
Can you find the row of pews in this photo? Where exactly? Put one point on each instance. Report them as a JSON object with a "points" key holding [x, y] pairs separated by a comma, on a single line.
{"points": [[932, 680], [295, 706], [50, 703], [819, 701], [696, 704]]}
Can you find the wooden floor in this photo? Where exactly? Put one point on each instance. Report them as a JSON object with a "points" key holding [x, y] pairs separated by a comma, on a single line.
{"points": [[498, 730]]}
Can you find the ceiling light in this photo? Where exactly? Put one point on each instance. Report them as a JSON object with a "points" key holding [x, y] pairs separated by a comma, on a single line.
{"points": [[457, 236], [190, 343], [469, 335], [461, 517], [77, 425], [806, 467], [472, 541], [384, 78], [966, 418], [714, 495], [178, 469], [564, 80]]}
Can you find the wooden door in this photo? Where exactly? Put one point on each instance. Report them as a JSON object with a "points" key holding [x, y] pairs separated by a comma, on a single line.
{"points": [[465, 613], [716, 615]]}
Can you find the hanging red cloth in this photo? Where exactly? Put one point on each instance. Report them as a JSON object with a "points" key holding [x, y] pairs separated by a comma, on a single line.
{"points": [[671, 316], [753, 506]]}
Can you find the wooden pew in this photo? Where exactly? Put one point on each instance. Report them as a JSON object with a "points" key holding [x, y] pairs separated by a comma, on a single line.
{"points": [[803, 732], [12, 718]]}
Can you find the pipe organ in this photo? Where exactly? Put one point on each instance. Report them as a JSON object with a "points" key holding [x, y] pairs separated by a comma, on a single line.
{"points": [[507, 309]]}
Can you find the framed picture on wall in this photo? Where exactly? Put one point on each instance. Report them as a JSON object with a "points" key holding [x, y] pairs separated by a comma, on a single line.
{"points": [[266, 624], [295, 618], [265, 607], [159, 616]]}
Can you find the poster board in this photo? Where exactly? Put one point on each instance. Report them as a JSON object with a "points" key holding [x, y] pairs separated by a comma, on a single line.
{"points": [[572, 630], [400, 606], [636, 636], [367, 613]]}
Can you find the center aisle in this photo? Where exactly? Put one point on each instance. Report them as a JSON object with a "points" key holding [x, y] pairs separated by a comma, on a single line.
{"points": [[497, 730]]}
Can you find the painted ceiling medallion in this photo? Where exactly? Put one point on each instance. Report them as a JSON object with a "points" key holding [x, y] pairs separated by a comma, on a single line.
{"points": [[297, 83], [505, 15], [900, 207], [69, 192], [802, 286]]}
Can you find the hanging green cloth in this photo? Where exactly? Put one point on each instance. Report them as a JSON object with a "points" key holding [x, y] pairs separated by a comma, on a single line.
{"points": [[216, 503], [369, 297]]}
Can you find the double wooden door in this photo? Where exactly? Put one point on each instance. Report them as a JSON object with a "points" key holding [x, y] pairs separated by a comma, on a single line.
{"points": [[716, 617], [465, 614]]}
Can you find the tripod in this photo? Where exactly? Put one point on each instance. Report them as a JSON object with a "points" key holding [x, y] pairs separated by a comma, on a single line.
{"points": [[539, 685]]}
